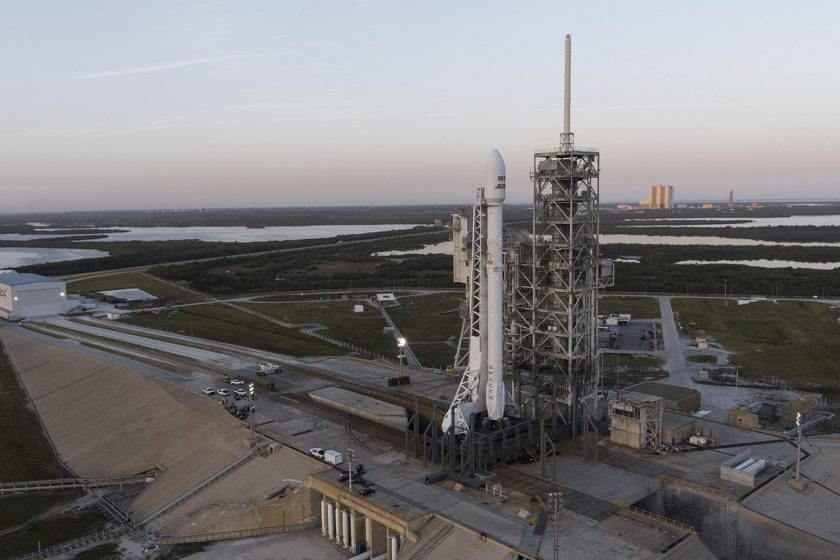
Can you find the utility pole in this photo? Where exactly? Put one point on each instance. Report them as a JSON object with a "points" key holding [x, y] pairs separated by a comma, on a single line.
{"points": [[798, 442], [350, 456], [251, 411], [554, 502]]}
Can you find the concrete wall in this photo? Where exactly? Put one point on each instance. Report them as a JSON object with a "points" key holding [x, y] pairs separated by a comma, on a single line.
{"points": [[301, 507], [714, 519], [762, 538], [626, 432]]}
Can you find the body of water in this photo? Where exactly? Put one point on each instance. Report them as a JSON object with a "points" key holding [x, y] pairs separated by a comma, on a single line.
{"points": [[768, 263], [442, 248], [14, 257], [226, 234], [626, 239], [822, 220]]}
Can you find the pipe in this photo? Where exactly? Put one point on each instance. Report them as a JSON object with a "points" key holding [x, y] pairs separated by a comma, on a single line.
{"points": [[363, 556]]}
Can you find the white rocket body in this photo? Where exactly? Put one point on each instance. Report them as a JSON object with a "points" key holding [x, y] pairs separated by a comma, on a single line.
{"points": [[491, 305], [482, 388]]}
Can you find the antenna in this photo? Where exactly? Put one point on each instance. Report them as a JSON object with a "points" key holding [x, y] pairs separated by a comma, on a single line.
{"points": [[566, 139]]}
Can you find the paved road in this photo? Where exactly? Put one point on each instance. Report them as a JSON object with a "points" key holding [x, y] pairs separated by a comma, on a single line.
{"points": [[235, 364], [673, 353]]}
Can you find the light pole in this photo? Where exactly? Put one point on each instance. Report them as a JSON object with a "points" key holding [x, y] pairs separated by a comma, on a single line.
{"points": [[350, 456], [401, 355], [724, 291], [251, 410], [798, 442], [554, 502]]}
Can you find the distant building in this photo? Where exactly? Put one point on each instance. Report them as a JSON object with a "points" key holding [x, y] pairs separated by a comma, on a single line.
{"points": [[24, 295], [731, 198], [660, 197]]}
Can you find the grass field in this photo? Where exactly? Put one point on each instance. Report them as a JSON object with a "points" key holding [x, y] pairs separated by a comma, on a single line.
{"points": [[631, 361], [221, 323], [25, 453], [51, 530], [702, 358], [639, 307], [164, 291], [428, 323], [362, 329], [798, 341]]}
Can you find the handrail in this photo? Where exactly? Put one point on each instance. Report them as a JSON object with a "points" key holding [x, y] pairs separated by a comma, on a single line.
{"points": [[711, 490], [653, 516], [68, 545]]}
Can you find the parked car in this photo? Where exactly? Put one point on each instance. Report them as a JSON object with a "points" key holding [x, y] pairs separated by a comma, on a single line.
{"points": [[209, 391], [237, 382], [224, 393], [240, 392], [317, 452]]}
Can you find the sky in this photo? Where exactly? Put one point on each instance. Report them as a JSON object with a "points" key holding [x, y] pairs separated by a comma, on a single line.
{"points": [[184, 104]]}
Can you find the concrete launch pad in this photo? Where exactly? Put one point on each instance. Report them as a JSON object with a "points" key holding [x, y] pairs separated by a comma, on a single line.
{"points": [[360, 405]]}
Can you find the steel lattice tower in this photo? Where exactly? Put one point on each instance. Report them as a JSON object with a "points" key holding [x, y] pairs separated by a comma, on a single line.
{"points": [[553, 280]]}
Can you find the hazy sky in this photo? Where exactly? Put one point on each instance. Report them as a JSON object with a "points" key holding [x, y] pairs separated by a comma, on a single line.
{"points": [[108, 104]]}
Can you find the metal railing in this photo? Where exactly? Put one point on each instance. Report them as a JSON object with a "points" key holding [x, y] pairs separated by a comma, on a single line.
{"points": [[653, 516], [704, 488], [108, 533], [65, 483]]}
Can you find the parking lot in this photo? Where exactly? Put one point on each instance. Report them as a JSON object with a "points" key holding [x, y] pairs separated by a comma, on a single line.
{"points": [[637, 336]]}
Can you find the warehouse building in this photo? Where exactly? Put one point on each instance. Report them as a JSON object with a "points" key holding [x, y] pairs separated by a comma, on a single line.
{"points": [[24, 295], [679, 399]]}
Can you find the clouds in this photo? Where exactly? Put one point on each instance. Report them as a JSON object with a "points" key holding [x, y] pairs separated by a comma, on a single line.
{"points": [[160, 67]]}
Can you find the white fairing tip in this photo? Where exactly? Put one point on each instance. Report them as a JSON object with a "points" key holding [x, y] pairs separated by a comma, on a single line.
{"points": [[494, 178]]}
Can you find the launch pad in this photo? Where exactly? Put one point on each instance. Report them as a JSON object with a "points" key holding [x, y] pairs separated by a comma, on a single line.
{"points": [[549, 309]]}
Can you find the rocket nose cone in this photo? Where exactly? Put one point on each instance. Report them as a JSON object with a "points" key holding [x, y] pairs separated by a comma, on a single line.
{"points": [[494, 178]]}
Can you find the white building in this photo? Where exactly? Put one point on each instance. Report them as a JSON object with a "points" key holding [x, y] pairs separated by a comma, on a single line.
{"points": [[24, 295]]}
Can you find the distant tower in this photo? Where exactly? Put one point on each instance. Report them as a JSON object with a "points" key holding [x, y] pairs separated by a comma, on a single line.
{"points": [[731, 198]]}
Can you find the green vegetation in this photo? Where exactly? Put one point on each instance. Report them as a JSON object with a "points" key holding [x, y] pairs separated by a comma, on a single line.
{"points": [[429, 323], [51, 530], [623, 370], [163, 290], [702, 358], [17, 508], [658, 273], [639, 307], [25, 453], [124, 254], [224, 324], [634, 361], [327, 267], [362, 329], [107, 551], [797, 341]]}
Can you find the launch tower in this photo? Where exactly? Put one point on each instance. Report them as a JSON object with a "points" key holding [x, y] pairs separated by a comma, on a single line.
{"points": [[554, 277]]}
